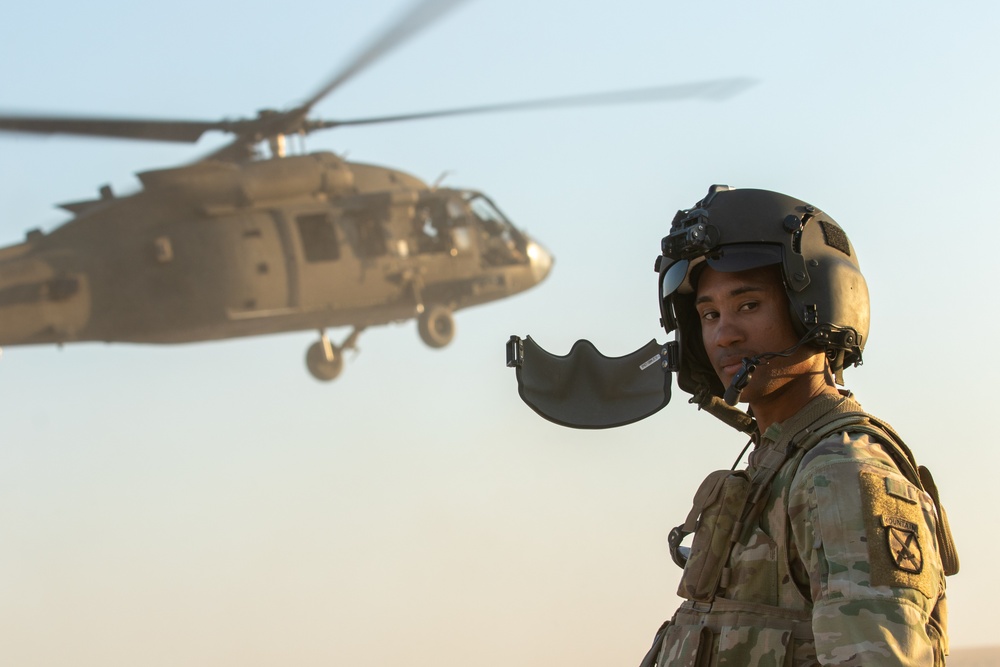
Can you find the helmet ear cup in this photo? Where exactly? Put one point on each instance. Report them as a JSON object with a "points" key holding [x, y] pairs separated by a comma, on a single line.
{"points": [[836, 296]]}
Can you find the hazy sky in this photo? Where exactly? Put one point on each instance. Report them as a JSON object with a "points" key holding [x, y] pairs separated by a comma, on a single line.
{"points": [[213, 504]]}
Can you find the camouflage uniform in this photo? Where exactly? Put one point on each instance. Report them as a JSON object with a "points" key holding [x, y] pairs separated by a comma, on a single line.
{"points": [[832, 556]]}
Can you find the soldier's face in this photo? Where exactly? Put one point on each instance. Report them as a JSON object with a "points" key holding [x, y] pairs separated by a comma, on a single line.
{"points": [[743, 314]]}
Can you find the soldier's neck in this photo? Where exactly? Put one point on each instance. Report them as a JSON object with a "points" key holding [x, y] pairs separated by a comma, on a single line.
{"points": [[785, 402]]}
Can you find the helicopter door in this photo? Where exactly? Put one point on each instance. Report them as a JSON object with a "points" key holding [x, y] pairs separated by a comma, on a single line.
{"points": [[259, 282]]}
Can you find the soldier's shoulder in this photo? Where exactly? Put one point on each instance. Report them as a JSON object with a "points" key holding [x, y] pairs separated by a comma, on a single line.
{"points": [[845, 447]]}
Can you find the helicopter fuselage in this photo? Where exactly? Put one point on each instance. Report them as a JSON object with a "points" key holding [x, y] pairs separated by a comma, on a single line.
{"points": [[219, 250]]}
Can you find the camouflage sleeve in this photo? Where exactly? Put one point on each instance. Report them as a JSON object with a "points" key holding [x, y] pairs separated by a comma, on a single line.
{"points": [[865, 537]]}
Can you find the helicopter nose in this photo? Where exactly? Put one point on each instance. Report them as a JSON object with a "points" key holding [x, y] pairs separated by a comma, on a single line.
{"points": [[541, 261]]}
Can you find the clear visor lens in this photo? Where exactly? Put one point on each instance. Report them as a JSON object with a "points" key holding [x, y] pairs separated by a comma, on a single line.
{"points": [[728, 259]]}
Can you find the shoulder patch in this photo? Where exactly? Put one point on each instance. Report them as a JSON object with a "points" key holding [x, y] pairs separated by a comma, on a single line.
{"points": [[897, 534]]}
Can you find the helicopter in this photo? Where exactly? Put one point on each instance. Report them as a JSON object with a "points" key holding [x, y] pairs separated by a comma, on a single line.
{"points": [[251, 240]]}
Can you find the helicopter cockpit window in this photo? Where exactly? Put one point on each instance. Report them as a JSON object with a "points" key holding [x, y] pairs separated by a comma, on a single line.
{"points": [[503, 244], [486, 211], [319, 238]]}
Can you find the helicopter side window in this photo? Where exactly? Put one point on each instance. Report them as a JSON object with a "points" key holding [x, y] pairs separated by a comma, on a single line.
{"points": [[319, 238], [367, 232], [372, 237]]}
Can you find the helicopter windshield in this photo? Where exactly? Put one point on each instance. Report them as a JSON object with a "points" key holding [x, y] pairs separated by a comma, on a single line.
{"points": [[504, 243]]}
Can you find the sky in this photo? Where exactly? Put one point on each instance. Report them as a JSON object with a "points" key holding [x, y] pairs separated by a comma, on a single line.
{"points": [[212, 503]]}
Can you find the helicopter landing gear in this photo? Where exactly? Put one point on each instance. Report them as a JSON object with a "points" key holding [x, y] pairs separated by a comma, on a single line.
{"points": [[436, 326], [325, 360]]}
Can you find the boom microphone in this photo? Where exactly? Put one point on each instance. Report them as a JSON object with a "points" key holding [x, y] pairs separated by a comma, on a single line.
{"points": [[741, 379]]}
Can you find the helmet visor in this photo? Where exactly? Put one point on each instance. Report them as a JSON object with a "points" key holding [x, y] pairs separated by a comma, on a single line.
{"points": [[727, 259]]}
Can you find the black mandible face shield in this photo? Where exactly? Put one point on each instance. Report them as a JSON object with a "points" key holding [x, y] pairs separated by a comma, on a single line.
{"points": [[585, 389]]}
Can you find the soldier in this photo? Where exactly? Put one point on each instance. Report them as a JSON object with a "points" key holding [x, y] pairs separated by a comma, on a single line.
{"points": [[831, 546]]}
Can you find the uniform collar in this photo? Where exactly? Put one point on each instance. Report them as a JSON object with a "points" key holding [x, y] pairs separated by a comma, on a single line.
{"points": [[774, 441]]}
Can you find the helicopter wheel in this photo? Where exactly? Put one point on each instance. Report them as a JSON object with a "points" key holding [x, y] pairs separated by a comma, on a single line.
{"points": [[436, 326], [320, 366]]}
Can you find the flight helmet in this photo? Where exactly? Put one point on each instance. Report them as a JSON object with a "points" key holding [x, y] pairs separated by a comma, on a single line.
{"points": [[739, 229]]}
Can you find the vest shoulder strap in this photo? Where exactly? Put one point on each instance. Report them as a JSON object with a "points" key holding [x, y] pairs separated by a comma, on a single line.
{"points": [[902, 456]]}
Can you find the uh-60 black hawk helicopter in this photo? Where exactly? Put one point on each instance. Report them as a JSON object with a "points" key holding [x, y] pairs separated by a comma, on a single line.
{"points": [[245, 241]]}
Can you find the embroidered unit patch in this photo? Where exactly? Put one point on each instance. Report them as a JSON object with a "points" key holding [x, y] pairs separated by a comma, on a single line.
{"points": [[904, 545]]}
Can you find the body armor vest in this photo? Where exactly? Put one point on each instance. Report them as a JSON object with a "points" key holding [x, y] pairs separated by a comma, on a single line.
{"points": [[747, 597]]}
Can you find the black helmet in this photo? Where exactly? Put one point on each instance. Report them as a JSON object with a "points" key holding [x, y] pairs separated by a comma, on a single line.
{"points": [[736, 230]]}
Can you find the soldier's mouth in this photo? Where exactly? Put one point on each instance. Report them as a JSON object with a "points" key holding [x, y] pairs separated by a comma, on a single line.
{"points": [[730, 364], [731, 369]]}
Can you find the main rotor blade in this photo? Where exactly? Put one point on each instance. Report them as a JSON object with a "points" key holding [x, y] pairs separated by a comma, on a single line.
{"points": [[124, 128], [714, 90], [420, 15]]}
